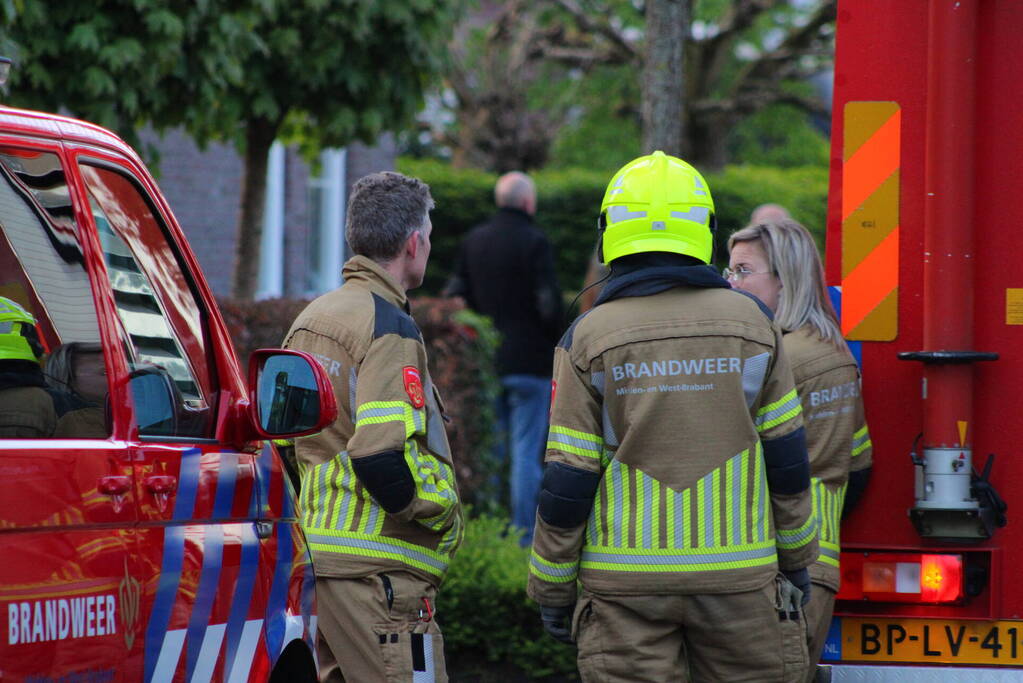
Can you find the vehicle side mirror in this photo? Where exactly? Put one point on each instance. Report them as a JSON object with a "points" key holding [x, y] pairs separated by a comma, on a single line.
{"points": [[289, 394]]}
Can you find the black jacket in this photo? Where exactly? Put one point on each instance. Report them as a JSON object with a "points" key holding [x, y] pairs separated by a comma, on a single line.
{"points": [[505, 270]]}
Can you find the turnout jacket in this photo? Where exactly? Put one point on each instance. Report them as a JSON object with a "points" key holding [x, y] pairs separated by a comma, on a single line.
{"points": [[675, 461], [828, 382], [378, 485], [26, 407]]}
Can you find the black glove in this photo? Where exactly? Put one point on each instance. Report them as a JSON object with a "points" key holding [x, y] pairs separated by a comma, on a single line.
{"points": [[557, 621], [800, 578]]}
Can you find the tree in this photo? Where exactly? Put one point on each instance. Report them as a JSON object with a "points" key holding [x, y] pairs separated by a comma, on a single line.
{"points": [[317, 72], [101, 61], [704, 67], [491, 75]]}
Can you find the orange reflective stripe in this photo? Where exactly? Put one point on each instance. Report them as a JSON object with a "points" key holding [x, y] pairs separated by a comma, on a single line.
{"points": [[871, 164], [870, 220], [870, 282]]}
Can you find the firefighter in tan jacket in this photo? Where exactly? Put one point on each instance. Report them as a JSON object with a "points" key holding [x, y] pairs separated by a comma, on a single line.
{"points": [[676, 489], [777, 261], [379, 504]]}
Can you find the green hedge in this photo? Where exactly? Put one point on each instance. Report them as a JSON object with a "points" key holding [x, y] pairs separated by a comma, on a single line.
{"points": [[492, 631], [569, 201]]}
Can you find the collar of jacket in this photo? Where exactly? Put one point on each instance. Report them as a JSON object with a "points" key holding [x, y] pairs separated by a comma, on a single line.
{"points": [[654, 275], [518, 214], [368, 274]]}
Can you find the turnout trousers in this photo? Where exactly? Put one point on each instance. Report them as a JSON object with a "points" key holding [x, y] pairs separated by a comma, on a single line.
{"points": [[818, 621], [378, 628], [698, 638]]}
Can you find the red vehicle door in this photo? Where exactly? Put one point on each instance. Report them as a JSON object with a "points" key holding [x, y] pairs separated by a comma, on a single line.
{"points": [[217, 574], [68, 507]]}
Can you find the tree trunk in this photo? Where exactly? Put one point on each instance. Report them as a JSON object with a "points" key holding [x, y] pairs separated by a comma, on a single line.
{"points": [[259, 136], [667, 25]]}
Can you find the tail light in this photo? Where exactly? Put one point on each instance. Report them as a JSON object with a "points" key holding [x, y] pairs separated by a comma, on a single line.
{"points": [[901, 577]]}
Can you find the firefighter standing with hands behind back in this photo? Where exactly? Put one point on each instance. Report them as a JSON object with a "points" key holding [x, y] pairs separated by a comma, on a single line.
{"points": [[677, 481]]}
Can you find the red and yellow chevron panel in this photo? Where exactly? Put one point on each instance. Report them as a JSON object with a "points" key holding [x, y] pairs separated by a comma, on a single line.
{"points": [[870, 221]]}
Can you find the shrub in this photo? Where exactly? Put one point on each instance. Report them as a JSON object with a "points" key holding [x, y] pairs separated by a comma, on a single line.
{"points": [[740, 189], [492, 630], [258, 324], [461, 347], [569, 202]]}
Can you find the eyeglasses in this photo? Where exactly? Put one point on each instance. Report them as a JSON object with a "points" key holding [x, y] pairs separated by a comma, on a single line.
{"points": [[741, 273]]}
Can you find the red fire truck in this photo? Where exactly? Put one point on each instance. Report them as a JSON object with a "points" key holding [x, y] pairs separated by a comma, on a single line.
{"points": [[923, 204], [150, 533]]}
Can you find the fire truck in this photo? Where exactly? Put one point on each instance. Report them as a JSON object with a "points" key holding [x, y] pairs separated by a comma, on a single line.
{"points": [[923, 203], [156, 537]]}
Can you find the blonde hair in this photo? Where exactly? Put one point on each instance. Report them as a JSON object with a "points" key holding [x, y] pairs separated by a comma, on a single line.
{"points": [[792, 256]]}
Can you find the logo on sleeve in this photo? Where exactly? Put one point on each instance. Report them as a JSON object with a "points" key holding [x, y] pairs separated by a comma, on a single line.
{"points": [[413, 386]]}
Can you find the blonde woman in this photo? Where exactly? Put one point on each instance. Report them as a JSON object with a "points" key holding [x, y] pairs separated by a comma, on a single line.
{"points": [[778, 263]]}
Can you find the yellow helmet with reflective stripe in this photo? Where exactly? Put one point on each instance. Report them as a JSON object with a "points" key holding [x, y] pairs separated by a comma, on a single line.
{"points": [[657, 203], [17, 328]]}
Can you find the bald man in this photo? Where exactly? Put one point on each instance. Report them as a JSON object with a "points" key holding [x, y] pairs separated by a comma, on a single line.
{"points": [[505, 270], [769, 213]]}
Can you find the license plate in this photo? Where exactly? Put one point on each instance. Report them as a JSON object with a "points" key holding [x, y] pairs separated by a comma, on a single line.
{"points": [[950, 641]]}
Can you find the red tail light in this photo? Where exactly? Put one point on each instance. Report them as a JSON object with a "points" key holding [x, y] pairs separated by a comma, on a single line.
{"points": [[901, 577]]}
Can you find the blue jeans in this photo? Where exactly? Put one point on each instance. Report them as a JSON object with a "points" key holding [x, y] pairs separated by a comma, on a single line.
{"points": [[522, 412]]}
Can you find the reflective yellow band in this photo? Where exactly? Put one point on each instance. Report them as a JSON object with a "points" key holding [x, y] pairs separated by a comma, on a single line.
{"points": [[553, 572], [797, 538], [829, 554], [433, 477], [575, 442], [827, 505], [365, 545], [381, 412], [678, 560], [861, 441], [778, 412]]}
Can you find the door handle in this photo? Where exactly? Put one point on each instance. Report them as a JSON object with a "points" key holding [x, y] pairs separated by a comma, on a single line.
{"points": [[160, 483], [114, 485]]}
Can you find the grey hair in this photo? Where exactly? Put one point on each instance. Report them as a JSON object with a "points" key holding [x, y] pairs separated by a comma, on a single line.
{"points": [[765, 213], [384, 209], [792, 256], [513, 190], [60, 365]]}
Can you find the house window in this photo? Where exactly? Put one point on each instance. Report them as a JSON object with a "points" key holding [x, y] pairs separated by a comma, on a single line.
{"points": [[327, 248], [271, 253]]}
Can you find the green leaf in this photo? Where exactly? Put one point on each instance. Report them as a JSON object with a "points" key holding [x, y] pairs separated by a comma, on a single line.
{"points": [[98, 83], [84, 37], [166, 23]]}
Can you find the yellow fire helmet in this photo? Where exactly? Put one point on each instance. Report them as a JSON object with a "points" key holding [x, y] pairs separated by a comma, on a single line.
{"points": [[657, 203], [18, 339]]}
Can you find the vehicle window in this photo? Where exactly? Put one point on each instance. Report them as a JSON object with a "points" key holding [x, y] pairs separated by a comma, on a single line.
{"points": [[164, 323], [52, 370]]}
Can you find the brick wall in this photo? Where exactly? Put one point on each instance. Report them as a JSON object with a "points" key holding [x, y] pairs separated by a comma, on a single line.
{"points": [[203, 189]]}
